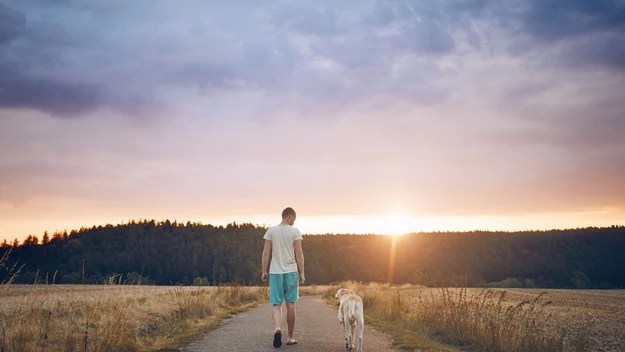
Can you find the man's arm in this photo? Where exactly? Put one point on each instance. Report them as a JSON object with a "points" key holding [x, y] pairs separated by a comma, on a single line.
{"points": [[299, 256], [265, 261]]}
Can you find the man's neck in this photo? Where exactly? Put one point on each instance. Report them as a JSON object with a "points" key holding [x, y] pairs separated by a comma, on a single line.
{"points": [[284, 223]]}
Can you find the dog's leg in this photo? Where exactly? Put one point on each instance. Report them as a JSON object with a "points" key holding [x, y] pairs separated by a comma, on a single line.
{"points": [[342, 319], [349, 343], [361, 327], [352, 337]]}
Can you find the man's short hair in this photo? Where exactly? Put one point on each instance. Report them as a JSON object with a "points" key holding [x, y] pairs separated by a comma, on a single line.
{"points": [[287, 212]]}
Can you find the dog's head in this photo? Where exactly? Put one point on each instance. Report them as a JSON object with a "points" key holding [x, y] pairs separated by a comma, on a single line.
{"points": [[342, 292]]}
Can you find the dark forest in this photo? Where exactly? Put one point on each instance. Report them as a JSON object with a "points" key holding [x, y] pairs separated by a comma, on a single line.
{"points": [[170, 253]]}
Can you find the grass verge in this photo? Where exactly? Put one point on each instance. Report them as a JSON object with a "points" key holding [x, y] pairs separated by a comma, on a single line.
{"points": [[115, 318], [452, 319], [405, 336]]}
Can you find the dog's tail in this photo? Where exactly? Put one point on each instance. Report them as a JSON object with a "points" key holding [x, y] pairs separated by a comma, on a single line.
{"points": [[352, 312]]}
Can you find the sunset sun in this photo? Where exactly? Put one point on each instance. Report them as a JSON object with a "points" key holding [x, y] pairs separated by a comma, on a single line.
{"points": [[398, 224]]}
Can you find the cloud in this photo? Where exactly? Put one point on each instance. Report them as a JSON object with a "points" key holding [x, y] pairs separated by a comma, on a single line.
{"points": [[306, 20], [57, 96], [447, 107], [12, 23], [557, 20], [595, 51], [138, 54], [322, 50], [576, 33], [573, 110]]}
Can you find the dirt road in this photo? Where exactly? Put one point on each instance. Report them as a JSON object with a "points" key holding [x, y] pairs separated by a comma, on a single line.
{"points": [[317, 329]]}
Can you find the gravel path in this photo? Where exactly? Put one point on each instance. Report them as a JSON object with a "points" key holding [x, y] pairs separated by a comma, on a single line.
{"points": [[316, 329]]}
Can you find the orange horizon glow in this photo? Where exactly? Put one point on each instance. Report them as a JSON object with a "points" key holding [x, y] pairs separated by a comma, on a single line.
{"points": [[394, 223]]}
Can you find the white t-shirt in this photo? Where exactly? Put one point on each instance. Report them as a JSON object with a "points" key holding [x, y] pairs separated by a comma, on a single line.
{"points": [[282, 238]]}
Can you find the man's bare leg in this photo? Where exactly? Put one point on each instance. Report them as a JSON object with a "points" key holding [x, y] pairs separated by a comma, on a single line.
{"points": [[290, 320], [276, 313], [277, 317]]}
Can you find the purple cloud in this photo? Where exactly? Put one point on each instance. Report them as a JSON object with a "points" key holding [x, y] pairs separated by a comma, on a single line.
{"points": [[466, 107]]}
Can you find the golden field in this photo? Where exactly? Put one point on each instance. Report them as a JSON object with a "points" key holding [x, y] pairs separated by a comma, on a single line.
{"points": [[114, 317], [165, 318], [495, 319]]}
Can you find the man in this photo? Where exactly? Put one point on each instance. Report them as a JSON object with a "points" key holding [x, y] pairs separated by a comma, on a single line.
{"points": [[284, 243]]}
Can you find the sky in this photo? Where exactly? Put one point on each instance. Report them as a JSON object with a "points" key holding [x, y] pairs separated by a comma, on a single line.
{"points": [[368, 116]]}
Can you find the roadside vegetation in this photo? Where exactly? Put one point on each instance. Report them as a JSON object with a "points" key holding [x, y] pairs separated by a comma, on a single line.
{"points": [[94, 318], [462, 318]]}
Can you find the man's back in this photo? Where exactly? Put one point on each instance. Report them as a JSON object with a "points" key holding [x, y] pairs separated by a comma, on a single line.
{"points": [[282, 237]]}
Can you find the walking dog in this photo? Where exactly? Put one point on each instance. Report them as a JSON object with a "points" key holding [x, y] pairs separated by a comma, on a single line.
{"points": [[351, 315]]}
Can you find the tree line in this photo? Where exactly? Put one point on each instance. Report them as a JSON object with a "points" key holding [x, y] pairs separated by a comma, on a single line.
{"points": [[172, 253]]}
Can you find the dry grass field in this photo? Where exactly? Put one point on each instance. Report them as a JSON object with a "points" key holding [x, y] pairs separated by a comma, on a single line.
{"points": [[114, 317], [153, 318], [495, 319], [600, 313]]}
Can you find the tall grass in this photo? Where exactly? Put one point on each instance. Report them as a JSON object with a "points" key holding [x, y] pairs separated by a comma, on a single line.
{"points": [[111, 317], [484, 319], [114, 318], [8, 273]]}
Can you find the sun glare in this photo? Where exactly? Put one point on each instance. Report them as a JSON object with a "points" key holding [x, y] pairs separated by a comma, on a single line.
{"points": [[398, 224]]}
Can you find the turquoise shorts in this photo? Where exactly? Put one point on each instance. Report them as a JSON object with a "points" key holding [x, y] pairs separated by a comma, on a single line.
{"points": [[283, 287]]}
